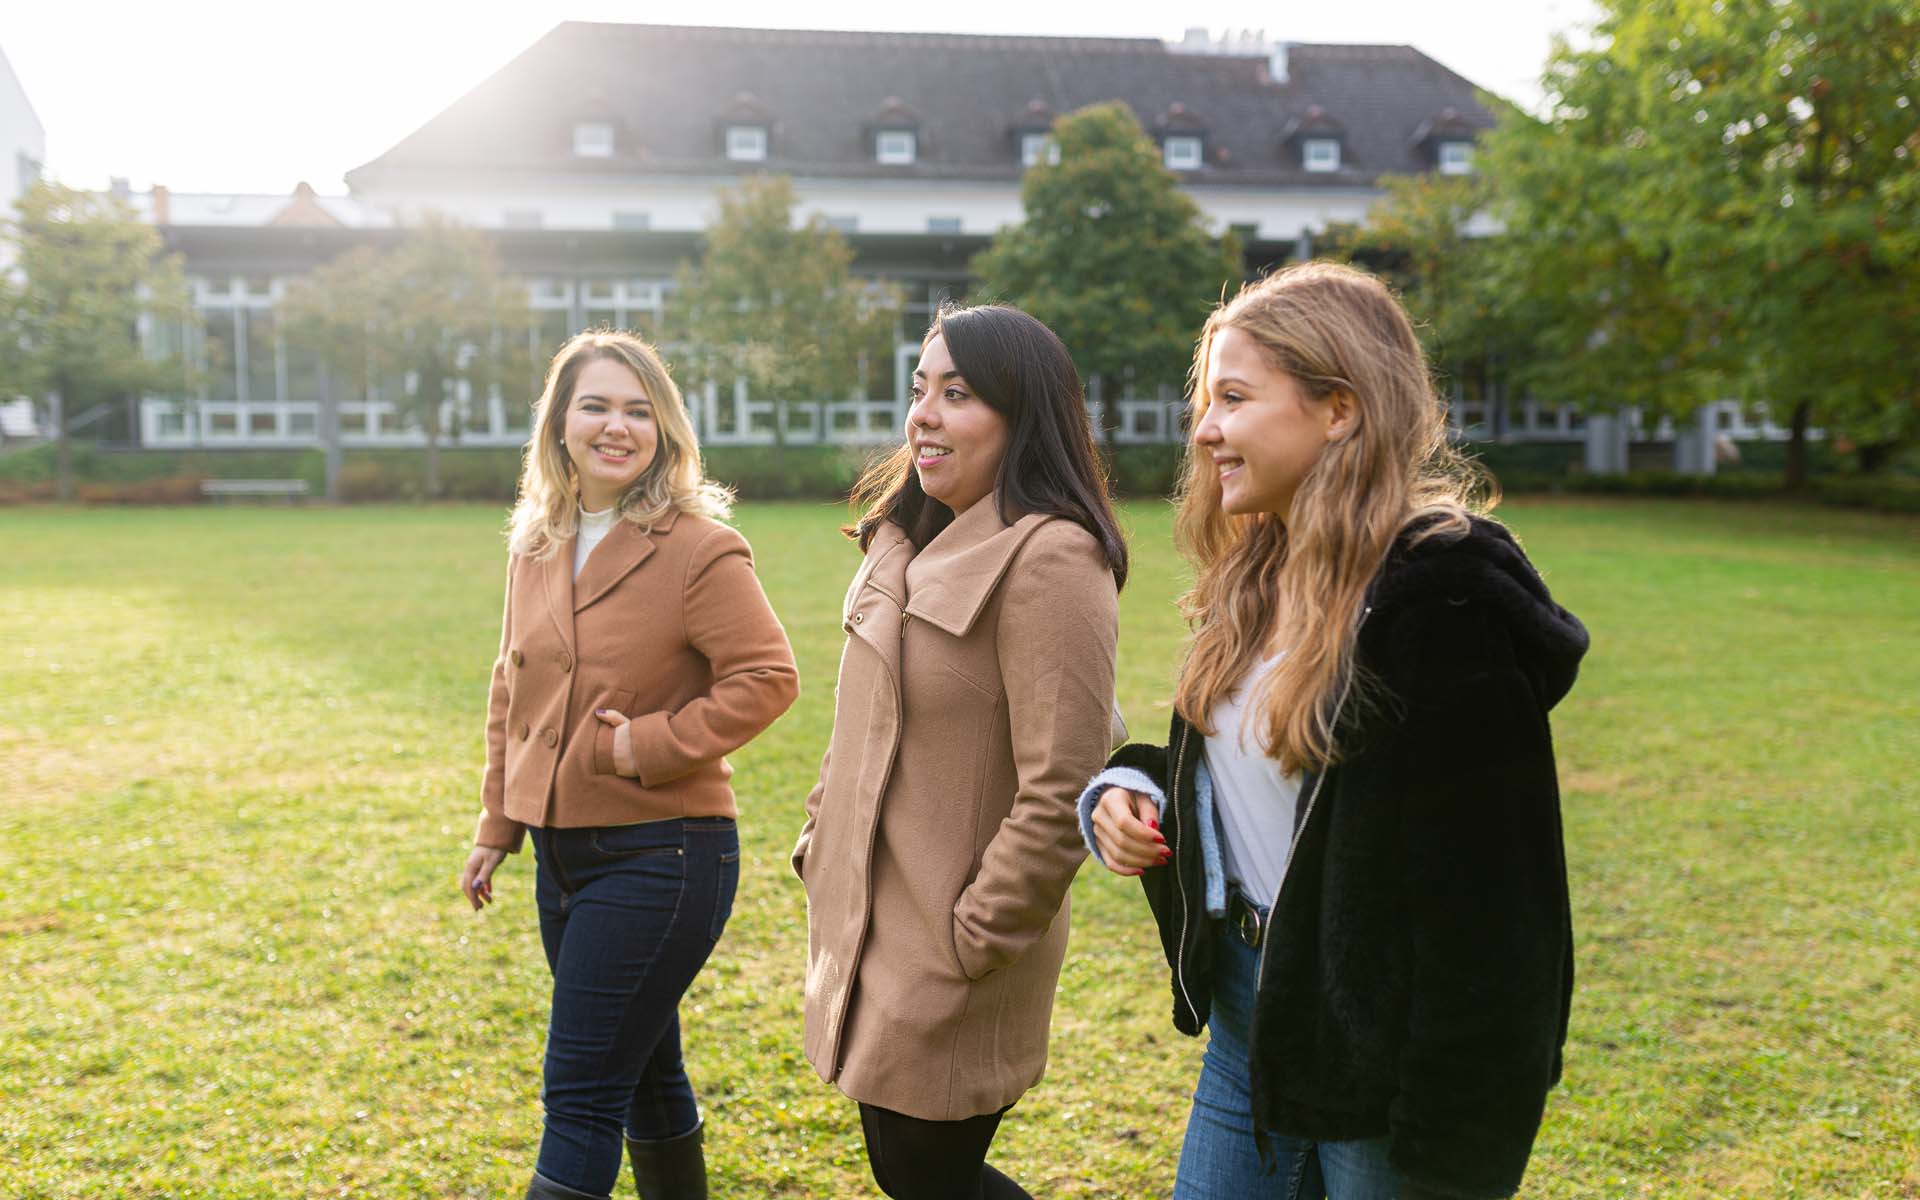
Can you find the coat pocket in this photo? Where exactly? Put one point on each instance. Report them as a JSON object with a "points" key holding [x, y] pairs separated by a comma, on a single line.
{"points": [[620, 702]]}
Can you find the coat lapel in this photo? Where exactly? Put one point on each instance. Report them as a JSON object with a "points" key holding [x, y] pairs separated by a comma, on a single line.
{"points": [[625, 547], [954, 577], [557, 575]]}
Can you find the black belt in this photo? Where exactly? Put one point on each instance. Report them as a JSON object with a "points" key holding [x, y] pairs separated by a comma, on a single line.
{"points": [[1245, 919]]}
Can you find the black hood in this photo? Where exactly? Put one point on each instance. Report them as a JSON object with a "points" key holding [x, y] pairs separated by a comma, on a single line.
{"points": [[1485, 565]]}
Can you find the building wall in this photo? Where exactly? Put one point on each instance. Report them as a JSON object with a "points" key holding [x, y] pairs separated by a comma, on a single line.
{"points": [[23, 141]]}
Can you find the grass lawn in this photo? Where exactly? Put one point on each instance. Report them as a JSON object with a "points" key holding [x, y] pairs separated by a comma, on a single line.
{"points": [[239, 757]]}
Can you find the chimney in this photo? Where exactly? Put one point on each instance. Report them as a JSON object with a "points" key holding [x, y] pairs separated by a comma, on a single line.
{"points": [[1277, 62], [120, 188], [162, 205]]}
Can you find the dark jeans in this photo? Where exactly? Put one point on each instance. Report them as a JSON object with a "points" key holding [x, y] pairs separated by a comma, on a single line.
{"points": [[628, 915], [914, 1159]]}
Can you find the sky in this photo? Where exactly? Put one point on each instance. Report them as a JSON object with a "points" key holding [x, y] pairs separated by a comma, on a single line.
{"points": [[218, 96]]}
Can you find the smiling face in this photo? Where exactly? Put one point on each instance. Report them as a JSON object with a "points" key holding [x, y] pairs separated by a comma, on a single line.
{"points": [[957, 438], [1261, 428], [609, 433]]}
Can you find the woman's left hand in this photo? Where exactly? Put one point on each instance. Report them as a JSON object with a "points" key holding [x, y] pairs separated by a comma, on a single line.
{"points": [[623, 763]]}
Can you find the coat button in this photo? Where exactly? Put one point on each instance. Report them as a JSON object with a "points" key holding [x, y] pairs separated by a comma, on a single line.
{"points": [[566, 661], [516, 658], [525, 731], [549, 737]]}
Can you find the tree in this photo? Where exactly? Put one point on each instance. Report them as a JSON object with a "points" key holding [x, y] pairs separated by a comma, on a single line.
{"points": [[1113, 256], [452, 316], [437, 308], [774, 303], [1719, 202], [335, 313], [88, 273], [1428, 238]]}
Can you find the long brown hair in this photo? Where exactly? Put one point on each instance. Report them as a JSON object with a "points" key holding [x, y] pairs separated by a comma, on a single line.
{"points": [[1297, 584], [547, 511], [1023, 371]]}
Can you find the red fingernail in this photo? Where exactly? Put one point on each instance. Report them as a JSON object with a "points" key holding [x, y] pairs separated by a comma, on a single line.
{"points": [[1155, 822]]}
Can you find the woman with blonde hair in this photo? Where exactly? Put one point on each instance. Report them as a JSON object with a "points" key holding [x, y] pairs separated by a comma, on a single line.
{"points": [[636, 651], [1351, 841]]}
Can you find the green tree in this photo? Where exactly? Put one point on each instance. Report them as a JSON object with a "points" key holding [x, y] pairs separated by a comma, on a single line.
{"points": [[1113, 256], [1429, 238], [1718, 204], [335, 313], [89, 271], [774, 302], [453, 316]]}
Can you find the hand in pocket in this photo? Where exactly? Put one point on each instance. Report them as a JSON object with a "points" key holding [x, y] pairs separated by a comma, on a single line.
{"points": [[623, 763]]}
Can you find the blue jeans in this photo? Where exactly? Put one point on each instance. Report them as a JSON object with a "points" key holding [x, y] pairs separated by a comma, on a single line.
{"points": [[1220, 1160], [628, 915]]}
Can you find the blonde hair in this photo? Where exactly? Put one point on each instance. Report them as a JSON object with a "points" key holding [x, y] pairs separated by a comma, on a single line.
{"points": [[547, 511], [1298, 583]]}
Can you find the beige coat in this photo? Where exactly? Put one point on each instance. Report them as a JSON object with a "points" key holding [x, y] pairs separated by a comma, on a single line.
{"points": [[668, 627], [975, 700]]}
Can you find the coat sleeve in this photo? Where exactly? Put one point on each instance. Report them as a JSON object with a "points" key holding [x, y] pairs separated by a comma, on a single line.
{"points": [[496, 828], [1486, 905], [1056, 638], [729, 622]]}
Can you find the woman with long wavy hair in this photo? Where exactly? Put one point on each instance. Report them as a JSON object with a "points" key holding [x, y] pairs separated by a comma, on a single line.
{"points": [[636, 651], [1351, 840]]}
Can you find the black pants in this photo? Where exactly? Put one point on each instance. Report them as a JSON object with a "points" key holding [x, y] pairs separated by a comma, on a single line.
{"points": [[914, 1159]]}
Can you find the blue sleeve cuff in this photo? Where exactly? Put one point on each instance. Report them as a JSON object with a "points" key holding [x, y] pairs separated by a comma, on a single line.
{"points": [[1123, 777]]}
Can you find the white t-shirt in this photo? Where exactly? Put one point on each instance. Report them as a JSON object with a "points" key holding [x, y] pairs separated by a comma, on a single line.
{"points": [[593, 527], [1252, 797]]}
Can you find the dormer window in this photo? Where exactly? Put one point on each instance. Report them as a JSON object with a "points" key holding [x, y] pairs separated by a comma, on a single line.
{"points": [[1456, 158], [896, 147], [747, 143], [1038, 147], [1320, 154], [593, 139], [1181, 153]]}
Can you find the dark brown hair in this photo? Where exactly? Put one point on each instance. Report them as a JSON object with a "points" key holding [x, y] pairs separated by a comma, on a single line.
{"points": [[1024, 373]]}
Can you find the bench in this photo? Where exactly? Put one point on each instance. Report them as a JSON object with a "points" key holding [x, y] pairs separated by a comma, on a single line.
{"points": [[227, 489]]}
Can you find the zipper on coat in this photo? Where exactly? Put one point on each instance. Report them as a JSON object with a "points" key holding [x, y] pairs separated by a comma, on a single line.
{"points": [[1180, 880], [1313, 796]]}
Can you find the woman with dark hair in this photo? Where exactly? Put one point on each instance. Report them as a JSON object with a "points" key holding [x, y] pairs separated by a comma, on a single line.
{"points": [[975, 696]]}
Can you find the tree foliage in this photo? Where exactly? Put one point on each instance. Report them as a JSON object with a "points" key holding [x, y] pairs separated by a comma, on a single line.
{"points": [[1721, 201], [88, 272], [1112, 254], [773, 302], [437, 309]]}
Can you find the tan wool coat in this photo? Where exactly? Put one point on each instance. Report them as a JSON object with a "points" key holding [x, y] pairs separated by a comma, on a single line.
{"points": [[975, 700], [669, 627]]}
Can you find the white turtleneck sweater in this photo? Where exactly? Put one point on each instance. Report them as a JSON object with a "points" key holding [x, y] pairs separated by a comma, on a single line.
{"points": [[593, 527]]}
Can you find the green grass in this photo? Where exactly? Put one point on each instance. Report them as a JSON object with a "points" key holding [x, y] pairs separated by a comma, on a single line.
{"points": [[240, 751]]}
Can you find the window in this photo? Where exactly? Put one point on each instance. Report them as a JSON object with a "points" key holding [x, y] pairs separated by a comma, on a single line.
{"points": [[895, 146], [943, 224], [1320, 154], [1456, 158], [1036, 146], [521, 218], [593, 139], [631, 219], [747, 143], [1182, 153]]}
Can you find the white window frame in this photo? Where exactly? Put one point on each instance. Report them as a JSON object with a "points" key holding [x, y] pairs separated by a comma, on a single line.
{"points": [[896, 147], [747, 143], [1035, 146], [1320, 154], [593, 139], [1182, 152], [1455, 158]]}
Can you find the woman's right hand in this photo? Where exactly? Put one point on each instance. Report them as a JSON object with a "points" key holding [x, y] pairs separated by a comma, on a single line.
{"points": [[1126, 826], [476, 878]]}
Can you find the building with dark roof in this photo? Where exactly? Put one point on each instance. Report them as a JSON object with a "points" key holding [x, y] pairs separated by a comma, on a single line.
{"points": [[598, 153]]}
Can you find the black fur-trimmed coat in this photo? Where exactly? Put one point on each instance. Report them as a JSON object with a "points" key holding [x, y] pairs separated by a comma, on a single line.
{"points": [[1418, 967]]}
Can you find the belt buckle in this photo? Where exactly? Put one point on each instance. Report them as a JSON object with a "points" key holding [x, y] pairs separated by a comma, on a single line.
{"points": [[1247, 924]]}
